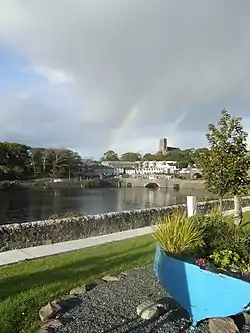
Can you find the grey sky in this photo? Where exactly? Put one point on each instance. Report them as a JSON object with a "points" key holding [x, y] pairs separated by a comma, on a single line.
{"points": [[175, 64]]}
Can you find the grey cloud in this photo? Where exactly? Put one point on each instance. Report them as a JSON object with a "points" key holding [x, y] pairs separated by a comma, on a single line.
{"points": [[168, 59]]}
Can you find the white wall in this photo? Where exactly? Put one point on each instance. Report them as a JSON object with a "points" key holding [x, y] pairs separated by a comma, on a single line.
{"points": [[157, 167]]}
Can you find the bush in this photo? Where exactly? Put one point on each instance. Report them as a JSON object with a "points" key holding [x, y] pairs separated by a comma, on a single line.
{"points": [[177, 234], [224, 242]]}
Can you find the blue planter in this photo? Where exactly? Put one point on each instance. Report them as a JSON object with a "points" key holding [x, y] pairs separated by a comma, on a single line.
{"points": [[202, 293]]}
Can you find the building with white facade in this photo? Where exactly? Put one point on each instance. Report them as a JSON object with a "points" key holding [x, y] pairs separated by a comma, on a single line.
{"points": [[158, 167], [143, 167], [123, 167]]}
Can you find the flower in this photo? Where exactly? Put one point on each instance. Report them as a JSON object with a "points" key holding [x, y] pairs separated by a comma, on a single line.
{"points": [[200, 262]]}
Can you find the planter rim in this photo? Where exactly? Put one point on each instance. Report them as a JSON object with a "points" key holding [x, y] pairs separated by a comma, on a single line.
{"points": [[203, 269]]}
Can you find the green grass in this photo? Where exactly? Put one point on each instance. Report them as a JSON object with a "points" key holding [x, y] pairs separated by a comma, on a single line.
{"points": [[27, 286], [246, 220]]}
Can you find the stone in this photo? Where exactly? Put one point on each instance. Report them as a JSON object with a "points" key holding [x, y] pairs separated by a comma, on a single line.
{"points": [[148, 310], [111, 278], [49, 311], [78, 290], [222, 325], [52, 324]]}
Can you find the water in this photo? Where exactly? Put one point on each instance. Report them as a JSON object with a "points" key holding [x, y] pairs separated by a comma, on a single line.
{"points": [[31, 205]]}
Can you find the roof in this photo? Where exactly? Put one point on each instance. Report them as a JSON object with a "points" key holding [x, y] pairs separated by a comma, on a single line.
{"points": [[120, 164]]}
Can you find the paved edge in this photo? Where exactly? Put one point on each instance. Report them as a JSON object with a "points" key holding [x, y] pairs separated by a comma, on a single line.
{"points": [[30, 253]]}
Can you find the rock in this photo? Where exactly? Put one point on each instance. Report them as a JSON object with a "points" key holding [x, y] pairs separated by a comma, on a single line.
{"points": [[78, 290], [82, 289], [66, 303], [52, 324], [222, 325], [148, 310], [111, 278], [49, 311]]}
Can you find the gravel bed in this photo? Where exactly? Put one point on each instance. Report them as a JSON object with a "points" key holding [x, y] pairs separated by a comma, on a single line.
{"points": [[111, 308]]}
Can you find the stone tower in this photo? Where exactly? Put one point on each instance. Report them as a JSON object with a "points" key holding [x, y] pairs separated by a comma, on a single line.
{"points": [[163, 145]]}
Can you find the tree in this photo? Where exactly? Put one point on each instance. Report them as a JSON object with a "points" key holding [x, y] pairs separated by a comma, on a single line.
{"points": [[110, 155], [14, 160], [131, 157], [148, 157], [225, 165]]}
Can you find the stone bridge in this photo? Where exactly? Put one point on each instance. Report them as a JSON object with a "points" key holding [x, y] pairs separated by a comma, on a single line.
{"points": [[162, 183]]}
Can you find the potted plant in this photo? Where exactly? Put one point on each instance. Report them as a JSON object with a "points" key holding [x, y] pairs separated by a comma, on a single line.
{"points": [[194, 272]]}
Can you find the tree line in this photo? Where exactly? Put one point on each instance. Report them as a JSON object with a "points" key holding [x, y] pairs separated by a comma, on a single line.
{"points": [[182, 157], [19, 161]]}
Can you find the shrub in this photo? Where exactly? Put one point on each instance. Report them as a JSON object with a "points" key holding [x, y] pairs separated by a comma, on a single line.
{"points": [[177, 234], [222, 237]]}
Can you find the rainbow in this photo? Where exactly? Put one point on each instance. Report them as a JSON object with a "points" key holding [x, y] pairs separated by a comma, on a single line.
{"points": [[123, 124]]}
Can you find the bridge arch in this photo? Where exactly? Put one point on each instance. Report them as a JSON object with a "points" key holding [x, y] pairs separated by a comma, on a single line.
{"points": [[152, 185], [197, 175], [129, 185]]}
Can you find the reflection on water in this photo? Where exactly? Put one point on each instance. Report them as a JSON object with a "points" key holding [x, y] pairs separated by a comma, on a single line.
{"points": [[31, 205]]}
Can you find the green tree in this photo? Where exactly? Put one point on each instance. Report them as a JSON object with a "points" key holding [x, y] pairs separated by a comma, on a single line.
{"points": [[148, 157], [131, 157], [110, 155], [225, 165], [14, 160]]}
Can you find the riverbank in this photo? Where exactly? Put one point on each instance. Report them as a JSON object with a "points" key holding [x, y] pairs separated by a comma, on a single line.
{"points": [[47, 184], [31, 234]]}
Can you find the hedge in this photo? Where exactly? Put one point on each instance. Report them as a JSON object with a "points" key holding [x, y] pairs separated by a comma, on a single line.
{"points": [[17, 236]]}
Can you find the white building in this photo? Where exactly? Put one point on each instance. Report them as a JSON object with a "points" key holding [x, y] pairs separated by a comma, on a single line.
{"points": [[158, 167], [130, 171], [123, 167]]}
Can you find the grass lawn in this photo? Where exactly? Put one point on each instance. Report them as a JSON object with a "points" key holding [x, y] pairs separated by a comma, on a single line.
{"points": [[246, 220], [26, 286]]}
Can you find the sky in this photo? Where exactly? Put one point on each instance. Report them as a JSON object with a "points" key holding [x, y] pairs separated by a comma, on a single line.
{"points": [[94, 75]]}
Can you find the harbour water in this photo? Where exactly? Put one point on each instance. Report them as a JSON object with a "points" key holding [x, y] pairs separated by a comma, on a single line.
{"points": [[31, 205]]}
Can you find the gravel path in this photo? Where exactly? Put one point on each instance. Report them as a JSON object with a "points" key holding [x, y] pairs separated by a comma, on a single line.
{"points": [[111, 308]]}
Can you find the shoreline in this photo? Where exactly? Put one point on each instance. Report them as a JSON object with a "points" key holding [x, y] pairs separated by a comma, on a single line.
{"points": [[48, 232], [41, 184]]}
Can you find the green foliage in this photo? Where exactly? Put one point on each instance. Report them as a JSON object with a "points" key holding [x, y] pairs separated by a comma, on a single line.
{"points": [[19, 161], [177, 234], [225, 259], [110, 155], [131, 157], [226, 163], [224, 242], [183, 157], [228, 259], [221, 234], [148, 157]]}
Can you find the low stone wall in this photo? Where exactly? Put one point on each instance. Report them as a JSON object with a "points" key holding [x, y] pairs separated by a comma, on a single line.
{"points": [[17, 236]]}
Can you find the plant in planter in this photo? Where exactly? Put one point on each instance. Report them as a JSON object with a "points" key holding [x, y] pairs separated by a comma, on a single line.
{"points": [[189, 268]]}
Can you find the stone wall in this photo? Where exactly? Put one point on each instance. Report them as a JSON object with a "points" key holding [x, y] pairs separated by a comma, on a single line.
{"points": [[17, 236], [164, 183]]}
